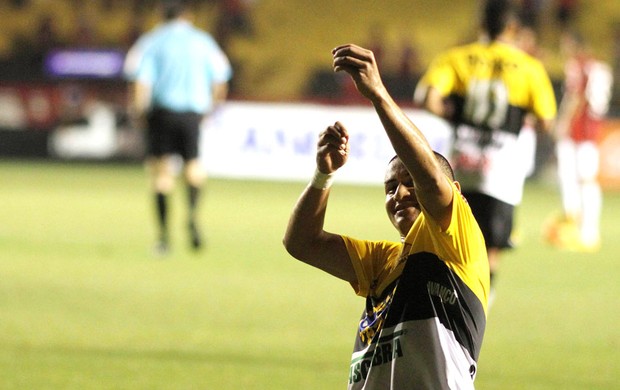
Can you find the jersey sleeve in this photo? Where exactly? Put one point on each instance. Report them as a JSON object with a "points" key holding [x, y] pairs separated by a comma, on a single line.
{"points": [[599, 88], [371, 260], [440, 75], [465, 234], [543, 96], [132, 62], [461, 246], [462, 241], [220, 64], [139, 63]]}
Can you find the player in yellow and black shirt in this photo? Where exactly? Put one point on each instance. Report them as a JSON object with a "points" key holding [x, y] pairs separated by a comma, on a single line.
{"points": [[426, 299], [486, 88], [426, 296]]}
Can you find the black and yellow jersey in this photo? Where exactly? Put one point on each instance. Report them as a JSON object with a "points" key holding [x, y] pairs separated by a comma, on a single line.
{"points": [[491, 87], [426, 304]]}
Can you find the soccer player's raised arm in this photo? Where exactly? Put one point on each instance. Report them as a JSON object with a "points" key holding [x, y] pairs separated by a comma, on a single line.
{"points": [[305, 239], [434, 192]]}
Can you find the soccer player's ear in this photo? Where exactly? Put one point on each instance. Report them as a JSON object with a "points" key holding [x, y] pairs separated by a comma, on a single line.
{"points": [[458, 185]]}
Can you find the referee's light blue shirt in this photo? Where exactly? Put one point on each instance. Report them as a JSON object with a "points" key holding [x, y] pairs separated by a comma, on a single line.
{"points": [[181, 63]]}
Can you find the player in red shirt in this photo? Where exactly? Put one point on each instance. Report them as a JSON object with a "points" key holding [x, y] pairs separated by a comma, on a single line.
{"points": [[585, 101]]}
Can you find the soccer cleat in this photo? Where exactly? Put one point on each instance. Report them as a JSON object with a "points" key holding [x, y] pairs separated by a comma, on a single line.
{"points": [[161, 249], [583, 246], [561, 232]]}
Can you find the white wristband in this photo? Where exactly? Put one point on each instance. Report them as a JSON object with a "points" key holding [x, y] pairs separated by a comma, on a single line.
{"points": [[322, 181]]}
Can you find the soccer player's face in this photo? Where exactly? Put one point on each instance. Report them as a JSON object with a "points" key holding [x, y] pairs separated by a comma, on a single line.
{"points": [[401, 202]]}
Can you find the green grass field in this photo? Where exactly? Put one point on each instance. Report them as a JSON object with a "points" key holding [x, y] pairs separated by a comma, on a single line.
{"points": [[85, 305]]}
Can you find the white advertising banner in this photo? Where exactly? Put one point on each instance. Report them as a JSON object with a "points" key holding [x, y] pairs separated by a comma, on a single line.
{"points": [[277, 141]]}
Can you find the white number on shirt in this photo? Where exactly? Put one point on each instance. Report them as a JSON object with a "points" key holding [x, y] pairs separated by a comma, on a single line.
{"points": [[486, 103]]}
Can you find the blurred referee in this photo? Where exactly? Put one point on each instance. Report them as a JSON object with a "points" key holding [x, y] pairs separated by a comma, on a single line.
{"points": [[178, 74]]}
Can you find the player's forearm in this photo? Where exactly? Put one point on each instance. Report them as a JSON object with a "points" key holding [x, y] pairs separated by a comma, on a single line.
{"points": [[306, 223], [568, 107], [220, 93], [434, 102], [433, 191], [408, 141], [139, 99]]}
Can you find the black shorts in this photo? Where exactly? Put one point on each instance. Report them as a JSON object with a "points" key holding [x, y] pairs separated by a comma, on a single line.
{"points": [[173, 133], [494, 217]]}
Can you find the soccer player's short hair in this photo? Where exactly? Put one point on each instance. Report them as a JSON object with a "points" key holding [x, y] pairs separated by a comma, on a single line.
{"points": [[443, 163], [496, 16], [174, 8]]}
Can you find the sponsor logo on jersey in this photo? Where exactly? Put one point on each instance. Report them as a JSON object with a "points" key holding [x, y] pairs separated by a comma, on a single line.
{"points": [[386, 350]]}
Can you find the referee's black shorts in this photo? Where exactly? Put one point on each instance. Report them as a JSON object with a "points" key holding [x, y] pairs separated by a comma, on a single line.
{"points": [[494, 217], [172, 132]]}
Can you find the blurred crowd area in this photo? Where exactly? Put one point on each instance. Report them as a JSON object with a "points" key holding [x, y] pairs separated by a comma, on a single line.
{"points": [[32, 28], [280, 50]]}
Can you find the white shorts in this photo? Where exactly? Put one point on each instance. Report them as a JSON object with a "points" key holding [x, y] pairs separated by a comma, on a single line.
{"points": [[580, 159]]}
